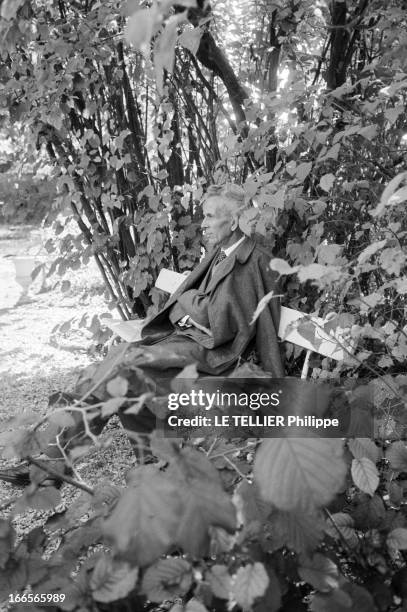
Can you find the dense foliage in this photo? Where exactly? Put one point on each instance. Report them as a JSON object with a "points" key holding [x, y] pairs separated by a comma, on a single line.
{"points": [[304, 104]]}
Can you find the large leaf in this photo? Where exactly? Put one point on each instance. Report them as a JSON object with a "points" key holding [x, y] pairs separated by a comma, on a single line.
{"points": [[299, 472], [145, 520], [249, 583], [365, 475], [164, 51], [166, 579], [112, 580], [204, 502], [320, 572]]}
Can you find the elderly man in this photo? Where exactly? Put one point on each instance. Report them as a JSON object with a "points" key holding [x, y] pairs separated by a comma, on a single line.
{"points": [[209, 316], [207, 321]]}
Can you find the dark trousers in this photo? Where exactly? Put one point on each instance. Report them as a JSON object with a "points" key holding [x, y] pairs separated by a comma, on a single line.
{"points": [[145, 368]]}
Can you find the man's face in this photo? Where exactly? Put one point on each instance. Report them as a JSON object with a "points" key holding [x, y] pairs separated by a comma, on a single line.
{"points": [[219, 222]]}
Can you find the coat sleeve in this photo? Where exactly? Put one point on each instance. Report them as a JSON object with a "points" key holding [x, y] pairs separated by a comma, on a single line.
{"points": [[216, 311], [195, 304]]}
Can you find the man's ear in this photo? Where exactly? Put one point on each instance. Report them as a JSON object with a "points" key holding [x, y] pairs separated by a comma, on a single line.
{"points": [[235, 223]]}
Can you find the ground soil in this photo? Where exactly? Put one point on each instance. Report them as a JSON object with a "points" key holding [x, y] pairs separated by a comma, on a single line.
{"points": [[35, 363]]}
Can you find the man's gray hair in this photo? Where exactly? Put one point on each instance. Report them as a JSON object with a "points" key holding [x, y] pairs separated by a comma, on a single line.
{"points": [[231, 192]]}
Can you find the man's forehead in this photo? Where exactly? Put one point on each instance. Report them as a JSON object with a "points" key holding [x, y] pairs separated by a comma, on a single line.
{"points": [[214, 205]]}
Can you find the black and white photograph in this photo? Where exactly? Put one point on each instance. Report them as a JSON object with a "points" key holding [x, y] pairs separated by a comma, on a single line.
{"points": [[203, 305]]}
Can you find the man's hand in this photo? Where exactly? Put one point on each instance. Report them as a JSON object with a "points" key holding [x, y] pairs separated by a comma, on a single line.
{"points": [[201, 327], [188, 321]]}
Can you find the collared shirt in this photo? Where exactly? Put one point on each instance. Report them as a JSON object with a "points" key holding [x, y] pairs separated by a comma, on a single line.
{"points": [[228, 252], [234, 246]]}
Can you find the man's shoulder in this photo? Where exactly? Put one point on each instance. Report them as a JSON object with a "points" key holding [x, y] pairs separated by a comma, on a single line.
{"points": [[259, 260], [260, 249]]}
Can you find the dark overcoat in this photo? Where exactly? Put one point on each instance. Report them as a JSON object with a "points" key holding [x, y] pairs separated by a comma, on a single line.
{"points": [[226, 305]]}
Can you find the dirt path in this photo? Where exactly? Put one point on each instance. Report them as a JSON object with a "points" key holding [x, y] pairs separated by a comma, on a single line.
{"points": [[31, 365]]}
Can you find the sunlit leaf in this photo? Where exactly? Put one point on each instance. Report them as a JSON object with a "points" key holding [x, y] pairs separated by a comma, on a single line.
{"points": [[164, 50], [371, 250], [365, 475], [263, 303], [313, 271], [282, 267], [9, 8], [299, 472], [117, 387], [112, 405], [327, 182], [61, 418], [140, 28], [388, 192], [303, 170], [249, 583]]}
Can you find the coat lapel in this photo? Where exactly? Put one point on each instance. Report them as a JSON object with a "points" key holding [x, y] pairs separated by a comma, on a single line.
{"points": [[241, 254], [192, 278]]}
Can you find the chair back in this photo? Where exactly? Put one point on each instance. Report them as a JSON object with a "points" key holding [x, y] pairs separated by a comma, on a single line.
{"points": [[306, 331]]}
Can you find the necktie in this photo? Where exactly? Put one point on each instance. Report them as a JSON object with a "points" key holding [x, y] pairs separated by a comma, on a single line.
{"points": [[219, 257]]}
